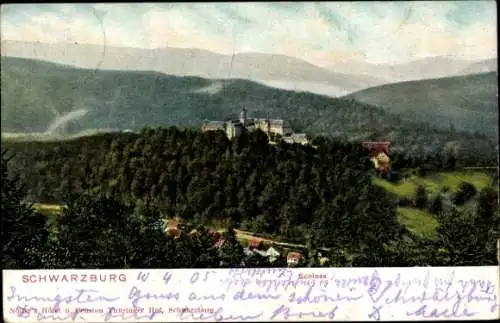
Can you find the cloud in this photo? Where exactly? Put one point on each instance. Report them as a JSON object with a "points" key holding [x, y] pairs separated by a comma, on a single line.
{"points": [[320, 32], [178, 29], [54, 27]]}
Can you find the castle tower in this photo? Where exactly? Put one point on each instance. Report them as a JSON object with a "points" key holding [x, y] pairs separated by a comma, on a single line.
{"points": [[243, 116]]}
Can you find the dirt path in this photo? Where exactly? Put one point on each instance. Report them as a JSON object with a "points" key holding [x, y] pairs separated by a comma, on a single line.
{"points": [[249, 235]]}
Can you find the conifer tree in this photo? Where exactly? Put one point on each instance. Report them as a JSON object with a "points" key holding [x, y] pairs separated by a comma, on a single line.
{"points": [[436, 206], [231, 250], [421, 199], [24, 230]]}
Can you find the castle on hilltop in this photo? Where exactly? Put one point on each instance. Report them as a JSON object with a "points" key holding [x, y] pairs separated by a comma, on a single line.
{"points": [[234, 128]]}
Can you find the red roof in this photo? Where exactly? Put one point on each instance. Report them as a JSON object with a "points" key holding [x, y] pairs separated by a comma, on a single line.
{"points": [[215, 235], [254, 243], [172, 231], [296, 255], [377, 147]]}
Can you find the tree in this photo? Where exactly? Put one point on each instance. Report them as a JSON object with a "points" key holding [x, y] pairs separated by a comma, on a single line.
{"points": [[487, 208], [231, 251], [24, 231], [466, 239], [279, 262], [436, 206], [413, 252], [421, 199], [260, 224], [256, 260], [466, 191], [98, 232], [324, 223], [339, 258], [207, 257], [487, 221], [151, 247], [312, 258]]}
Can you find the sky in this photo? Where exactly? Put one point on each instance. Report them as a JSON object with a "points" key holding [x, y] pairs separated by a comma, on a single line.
{"points": [[318, 32]]}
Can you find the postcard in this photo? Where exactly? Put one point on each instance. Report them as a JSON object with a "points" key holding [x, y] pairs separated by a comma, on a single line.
{"points": [[311, 140]]}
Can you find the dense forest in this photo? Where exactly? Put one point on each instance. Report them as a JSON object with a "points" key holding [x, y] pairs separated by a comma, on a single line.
{"points": [[117, 188]]}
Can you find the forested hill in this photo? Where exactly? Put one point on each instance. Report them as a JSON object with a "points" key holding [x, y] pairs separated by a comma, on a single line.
{"points": [[35, 94], [321, 197], [284, 190], [468, 102]]}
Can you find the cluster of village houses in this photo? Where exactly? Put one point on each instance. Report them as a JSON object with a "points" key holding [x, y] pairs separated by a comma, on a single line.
{"points": [[255, 246], [234, 128]]}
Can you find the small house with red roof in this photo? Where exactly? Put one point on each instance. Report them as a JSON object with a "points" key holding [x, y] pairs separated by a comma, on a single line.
{"points": [[173, 231], [293, 258], [216, 236], [255, 243], [379, 154]]}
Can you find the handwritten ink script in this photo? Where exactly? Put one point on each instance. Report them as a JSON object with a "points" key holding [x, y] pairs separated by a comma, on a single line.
{"points": [[271, 294]]}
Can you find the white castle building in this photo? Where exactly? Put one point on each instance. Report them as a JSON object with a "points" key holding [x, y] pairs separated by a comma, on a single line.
{"points": [[234, 128]]}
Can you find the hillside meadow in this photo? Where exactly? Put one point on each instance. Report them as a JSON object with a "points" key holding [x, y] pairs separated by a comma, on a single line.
{"points": [[436, 182]]}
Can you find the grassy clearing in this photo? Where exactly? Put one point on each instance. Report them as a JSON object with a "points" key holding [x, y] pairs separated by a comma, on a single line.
{"points": [[404, 188], [48, 209], [453, 180], [418, 221], [434, 183]]}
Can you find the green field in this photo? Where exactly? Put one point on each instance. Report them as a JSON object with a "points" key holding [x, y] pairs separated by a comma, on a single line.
{"points": [[434, 183], [418, 221], [422, 222], [48, 209]]}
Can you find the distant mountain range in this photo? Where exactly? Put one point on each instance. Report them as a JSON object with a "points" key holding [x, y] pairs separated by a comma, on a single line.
{"points": [[485, 66], [46, 98], [279, 71], [425, 68], [469, 103], [274, 70]]}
